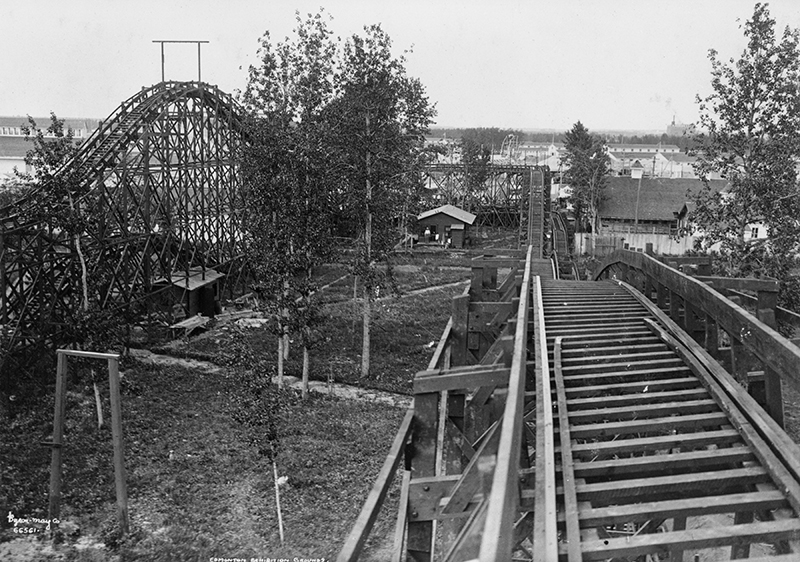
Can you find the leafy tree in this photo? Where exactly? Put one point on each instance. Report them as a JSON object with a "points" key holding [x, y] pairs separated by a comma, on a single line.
{"points": [[63, 207], [285, 171], [750, 135], [380, 116], [587, 163]]}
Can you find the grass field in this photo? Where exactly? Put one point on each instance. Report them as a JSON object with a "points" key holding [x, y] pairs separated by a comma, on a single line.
{"points": [[197, 487]]}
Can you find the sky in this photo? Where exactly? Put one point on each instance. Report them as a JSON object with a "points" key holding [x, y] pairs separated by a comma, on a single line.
{"points": [[524, 64]]}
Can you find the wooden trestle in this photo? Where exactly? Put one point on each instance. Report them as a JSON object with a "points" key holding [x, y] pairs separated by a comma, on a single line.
{"points": [[590, 426]]}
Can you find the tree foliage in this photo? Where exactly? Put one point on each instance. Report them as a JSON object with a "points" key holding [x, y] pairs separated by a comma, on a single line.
{"points": [[750, 135], [587, 163], [288, 188], [381, 116], [337, 142]]}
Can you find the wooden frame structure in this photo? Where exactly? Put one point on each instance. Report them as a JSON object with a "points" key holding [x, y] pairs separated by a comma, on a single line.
{"points": [[57, 443], [160, 178], [498, 202]]}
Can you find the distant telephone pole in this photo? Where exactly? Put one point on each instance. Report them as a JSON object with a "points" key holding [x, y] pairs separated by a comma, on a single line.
{"points": [[162, 41]]}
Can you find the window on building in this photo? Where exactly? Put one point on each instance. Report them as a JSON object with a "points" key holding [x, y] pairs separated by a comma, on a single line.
{"points": [[754, 232]]}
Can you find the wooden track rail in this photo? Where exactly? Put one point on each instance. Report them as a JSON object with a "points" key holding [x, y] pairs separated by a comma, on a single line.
{"points": [[593, 422]]}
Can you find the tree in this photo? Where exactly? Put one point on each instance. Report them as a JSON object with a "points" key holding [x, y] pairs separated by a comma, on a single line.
{"points": [[286, 179], [750, 134], [380, 116], [63, 207], [587, 164]]}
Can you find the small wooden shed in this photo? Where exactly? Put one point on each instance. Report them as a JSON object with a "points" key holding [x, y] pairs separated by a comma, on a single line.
{"points": [[446, 225], [196, 289]]}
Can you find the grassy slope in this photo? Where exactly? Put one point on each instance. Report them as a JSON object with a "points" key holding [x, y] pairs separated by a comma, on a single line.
{"points": [[215, 497]]}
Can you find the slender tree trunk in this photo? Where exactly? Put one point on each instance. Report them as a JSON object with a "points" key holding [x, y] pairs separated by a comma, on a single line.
{"points": [[367, 311], [85, 305], [280, 361], [286, 321], [355, 308], [278, 500], [305, 371]]}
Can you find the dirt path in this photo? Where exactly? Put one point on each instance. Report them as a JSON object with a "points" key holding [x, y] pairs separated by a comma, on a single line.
{"points": [[335, 389]]}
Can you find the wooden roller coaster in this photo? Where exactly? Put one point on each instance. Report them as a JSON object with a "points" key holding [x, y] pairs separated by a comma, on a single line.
{"points": [[161, 173], [597, 420]]}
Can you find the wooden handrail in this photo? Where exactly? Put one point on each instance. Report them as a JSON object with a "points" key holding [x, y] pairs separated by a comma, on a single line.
{"points": [[443, 341], [772, 349], [498, 531], [369, 512], [781, 314]]}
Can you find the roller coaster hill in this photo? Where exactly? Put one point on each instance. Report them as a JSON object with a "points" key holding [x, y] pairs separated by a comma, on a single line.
{"points": [[159, 179], [159, 175], [636, 416]]}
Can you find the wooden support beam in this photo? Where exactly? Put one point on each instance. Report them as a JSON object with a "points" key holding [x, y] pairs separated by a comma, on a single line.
{"points": [[119, 448], [469, 482], [661, 296], [773, 395], [400, 524], [423, 463], [435, 381], [460, 318], [640, 545], [711, 340], [54, 506]]}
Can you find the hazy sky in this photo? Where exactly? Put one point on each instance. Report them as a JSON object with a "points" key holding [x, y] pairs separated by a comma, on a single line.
{"points": [[524, 64]]}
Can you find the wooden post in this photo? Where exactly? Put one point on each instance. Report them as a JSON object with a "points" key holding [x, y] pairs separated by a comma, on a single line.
{"points": [[692, 322], [648, 287], [452, 457], [423, 464], [675, 308], [767, 302], [53, 510], [476, 283], [489, 284], [460, 328], [661, 296], [712, 337], [116, 435], [623, 274]]}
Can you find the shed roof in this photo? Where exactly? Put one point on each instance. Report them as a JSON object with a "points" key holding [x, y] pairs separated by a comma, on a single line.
{"points": [[660, 199], [452, 211], [194, 280]]}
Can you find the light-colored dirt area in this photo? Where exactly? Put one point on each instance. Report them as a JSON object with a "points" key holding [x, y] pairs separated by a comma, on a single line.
{"points": [[334, 389]]}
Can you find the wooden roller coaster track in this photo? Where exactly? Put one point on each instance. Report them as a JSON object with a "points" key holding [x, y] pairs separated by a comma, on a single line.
{"points": [[161, 172], [596, 420]]}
